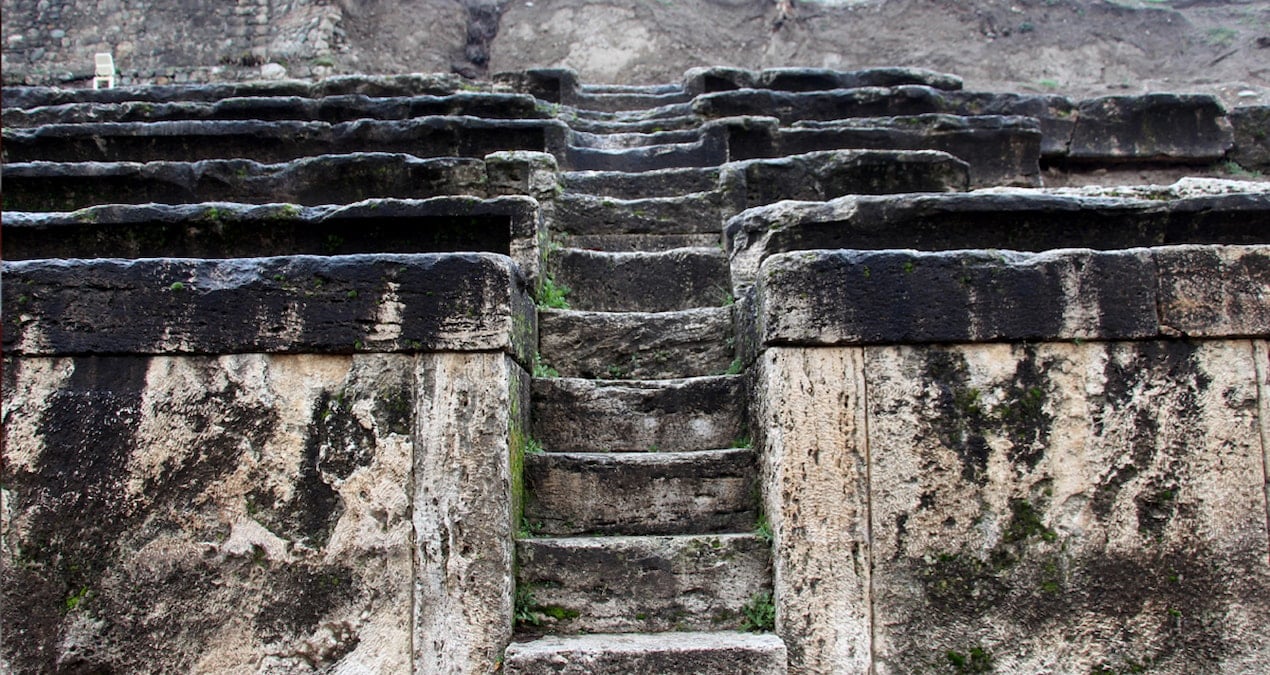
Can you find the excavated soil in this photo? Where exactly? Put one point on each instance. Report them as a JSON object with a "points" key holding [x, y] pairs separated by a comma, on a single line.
{"points": [[1076, 47]]}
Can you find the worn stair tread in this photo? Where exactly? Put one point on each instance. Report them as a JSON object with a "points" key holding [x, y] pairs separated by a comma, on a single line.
{"points": [[645, 158], [666, 110], [602, 126], [694, 212], [648, 243], [628, 185], [697, 413], [616, 141], [641, 281], [623, 101], [604, 493], [628, 584], [637, 345], [672, 653]]}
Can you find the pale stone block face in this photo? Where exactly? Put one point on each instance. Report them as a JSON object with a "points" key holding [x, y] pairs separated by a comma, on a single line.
{"points": [[1068, 507], [815, 476], [462, 498], [243, 513]]}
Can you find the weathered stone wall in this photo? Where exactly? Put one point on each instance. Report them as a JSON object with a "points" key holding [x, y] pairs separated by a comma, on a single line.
{"points": [[1043, 496], [236, 490]]}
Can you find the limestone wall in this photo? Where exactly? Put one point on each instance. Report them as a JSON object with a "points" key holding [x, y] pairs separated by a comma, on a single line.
{"points": [[299, 502], [1029, 499]]}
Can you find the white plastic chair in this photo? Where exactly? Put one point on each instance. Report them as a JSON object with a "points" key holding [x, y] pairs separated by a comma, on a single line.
{"points": [[105, 73]]}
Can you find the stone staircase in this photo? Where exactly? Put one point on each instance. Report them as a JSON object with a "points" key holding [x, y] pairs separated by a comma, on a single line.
{"points": [[643, 545], [641, 512]]}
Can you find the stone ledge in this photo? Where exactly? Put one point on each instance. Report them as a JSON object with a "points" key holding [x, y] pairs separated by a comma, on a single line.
{"points": [[298, 304], [843, 297], [1022, 220]]}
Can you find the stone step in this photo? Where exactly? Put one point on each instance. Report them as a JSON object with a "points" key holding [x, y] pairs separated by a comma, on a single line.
{"points": [[624, 185], [618, 101], [648, 243], [654, 125], [683, 653], [635, 115], [370, 85], [665, 281], [697, 413], [703, 152], [617, 141], [641, 584], [696, 212], [309, 181], [637, 345], [326, 109], [273, 141], [641, 493], [600, 88]]}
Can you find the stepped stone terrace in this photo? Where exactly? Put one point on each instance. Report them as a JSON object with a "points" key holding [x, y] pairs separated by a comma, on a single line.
{"points": [[788, 371]]}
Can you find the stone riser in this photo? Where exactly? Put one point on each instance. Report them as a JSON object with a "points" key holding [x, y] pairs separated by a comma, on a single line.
{"points": [[712, 653], [574, 415], [272, 141], [637, 345], [700, 492], [642, 584], [619, 185], [643, 282], [331, 109]]}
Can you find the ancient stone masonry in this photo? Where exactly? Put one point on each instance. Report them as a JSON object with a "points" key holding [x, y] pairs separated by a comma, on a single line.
{"points": [[783, 371]]}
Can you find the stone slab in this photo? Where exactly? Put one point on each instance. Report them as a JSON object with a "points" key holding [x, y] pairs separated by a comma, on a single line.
{"points": [[819, 176], [217, 514], [339, 108], [641, 584], [325, 179], [700, 413], [1251, 128], [341, 304], [1152, 127], [810, 415], [664, 281], [698, 492], [580, 213], [637, 345], [274, 141], [1012, 219], [1067, 507], [871, 297], [702, 653], [660, 183], [1214, 291], [416, 84]]}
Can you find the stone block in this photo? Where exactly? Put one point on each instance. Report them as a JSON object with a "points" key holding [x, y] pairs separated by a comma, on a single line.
{"points": [[873, 297], [208, 513], [1214, 290], [640, 281], [700, 413], [815, 483], [637, 345], [341, 304], [699, 653], [1251, 127], [641, 584], [1153, 127], [1074, 506]]}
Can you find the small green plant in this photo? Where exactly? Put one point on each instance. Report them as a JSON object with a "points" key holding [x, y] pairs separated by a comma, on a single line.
{"points": [[616, 372], [734, 368], [324, 60], [977, 660], [552, 295], [1048, 83], [352, 295], [176, 287], [763, 529], [742, 442], [542, 369], [532, 446], [759, 613], [1221, 36], [524, 607], [528, 528], [76, 598]]}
